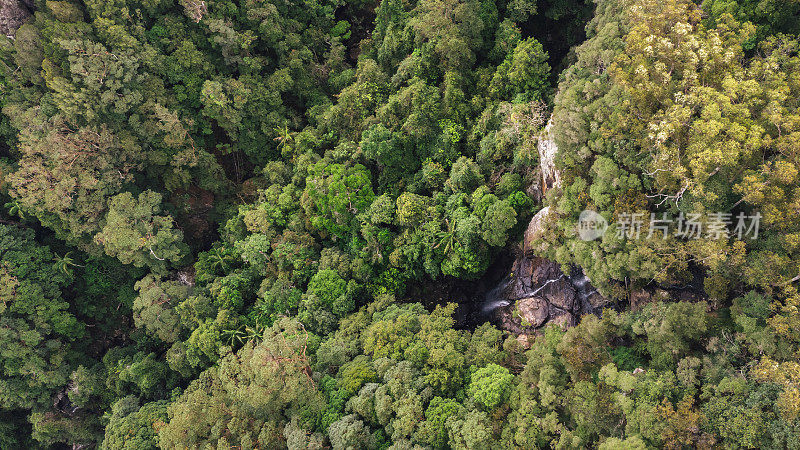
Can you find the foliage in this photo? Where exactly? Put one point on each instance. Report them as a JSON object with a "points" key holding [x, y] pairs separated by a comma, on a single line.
{"points": [[136, 234], [234, 224], [250, 396], [490, 385]]}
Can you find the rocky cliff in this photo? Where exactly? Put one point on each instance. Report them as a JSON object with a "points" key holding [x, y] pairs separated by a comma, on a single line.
{"points": [[13, 13], [548, 149], [537, 292]]}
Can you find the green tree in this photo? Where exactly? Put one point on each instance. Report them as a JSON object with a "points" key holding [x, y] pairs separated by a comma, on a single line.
{"points": [[250, 396], [455, 29], [500, 217], [490, 385], [154, 308], [38, 331], [336, 193], [349, 433], [523, 76], [135, 233], [132, 426], [67, 189], [465, 175]]}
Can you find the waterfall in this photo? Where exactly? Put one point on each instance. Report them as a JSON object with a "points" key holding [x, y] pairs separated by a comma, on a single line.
{"points": [[581, 283], [500, 296], [495, 298], [544, 285]]}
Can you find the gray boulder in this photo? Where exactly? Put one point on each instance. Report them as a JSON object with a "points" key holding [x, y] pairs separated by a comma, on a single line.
{"points": [[13, 13]]}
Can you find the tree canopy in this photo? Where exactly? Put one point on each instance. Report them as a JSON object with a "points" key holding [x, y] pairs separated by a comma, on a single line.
{"points": [[266, 224]]}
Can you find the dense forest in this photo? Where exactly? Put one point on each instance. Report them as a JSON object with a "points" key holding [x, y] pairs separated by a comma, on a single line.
{"points": [[262, 224]]}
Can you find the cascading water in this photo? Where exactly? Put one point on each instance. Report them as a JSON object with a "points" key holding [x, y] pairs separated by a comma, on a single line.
{"points": [[583, 289], [558, 293], [494, 298], [544, 285]]}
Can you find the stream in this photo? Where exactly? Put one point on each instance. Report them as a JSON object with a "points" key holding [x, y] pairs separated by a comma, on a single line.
{"points": [[505, 293]]}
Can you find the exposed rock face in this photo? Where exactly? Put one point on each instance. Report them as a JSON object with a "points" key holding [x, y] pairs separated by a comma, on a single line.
{"points": [[13, 13], [539, 293], [533, 311], [532, 243], [547, 155]]}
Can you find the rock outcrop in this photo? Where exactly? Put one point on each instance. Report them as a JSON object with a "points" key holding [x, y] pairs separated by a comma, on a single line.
{"points": [[13, 13], [532, 243], [547, 159], [539, 293]]}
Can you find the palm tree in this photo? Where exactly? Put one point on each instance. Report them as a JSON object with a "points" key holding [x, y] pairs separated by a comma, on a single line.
{"points": [[244, 334], [234, 336], [446, 238], [284, 136], [219, 259], [65, 263], [255, 333]]}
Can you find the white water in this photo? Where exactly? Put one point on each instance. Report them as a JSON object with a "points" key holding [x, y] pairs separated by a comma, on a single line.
{"points": [[495, 298], [491, 306], [544, 285]]}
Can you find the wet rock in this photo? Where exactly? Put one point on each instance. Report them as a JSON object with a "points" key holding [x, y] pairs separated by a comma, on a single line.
{"points": [[13, 13], [566, 320], [544, 271], [562, 297], [537, 292], [532, 274], [532, 311]]}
